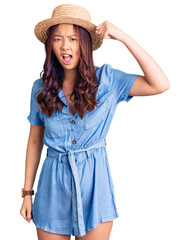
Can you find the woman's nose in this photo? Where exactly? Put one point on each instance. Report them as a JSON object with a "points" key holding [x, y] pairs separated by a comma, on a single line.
{"points": [[64, 44]]}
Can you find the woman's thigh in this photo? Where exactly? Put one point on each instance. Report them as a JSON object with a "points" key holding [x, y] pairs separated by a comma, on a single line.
{"points": [[101, 232], [43, 235]]}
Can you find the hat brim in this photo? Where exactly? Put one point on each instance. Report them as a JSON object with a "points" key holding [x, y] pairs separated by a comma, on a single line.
{"points": [[41, 29]]}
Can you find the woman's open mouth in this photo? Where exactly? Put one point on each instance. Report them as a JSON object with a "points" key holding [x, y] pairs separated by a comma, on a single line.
{"points": [[67, 59]]}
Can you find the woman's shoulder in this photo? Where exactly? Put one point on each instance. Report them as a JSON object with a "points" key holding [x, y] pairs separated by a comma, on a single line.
{"points": [[37, 84], [104, 73], [105, 68]]}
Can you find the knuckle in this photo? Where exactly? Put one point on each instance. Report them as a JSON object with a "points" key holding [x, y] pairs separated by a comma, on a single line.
{"points": [[22, 212]]}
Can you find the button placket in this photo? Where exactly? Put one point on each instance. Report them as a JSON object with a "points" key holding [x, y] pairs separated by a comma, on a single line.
{"points": [[74, 133]]}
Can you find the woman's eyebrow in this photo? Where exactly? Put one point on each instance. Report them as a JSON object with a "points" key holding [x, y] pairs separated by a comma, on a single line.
{"points": [[62, 35]]}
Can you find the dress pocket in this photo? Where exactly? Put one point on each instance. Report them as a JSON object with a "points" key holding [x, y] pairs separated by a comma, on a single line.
{"points": [[99, 113], [53, 125]]}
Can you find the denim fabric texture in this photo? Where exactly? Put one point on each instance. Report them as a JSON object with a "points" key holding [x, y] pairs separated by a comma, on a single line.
{"points": [[75, 190]]}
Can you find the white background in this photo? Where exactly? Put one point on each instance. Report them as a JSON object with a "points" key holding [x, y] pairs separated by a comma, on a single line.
{"points": [[148, 141]]}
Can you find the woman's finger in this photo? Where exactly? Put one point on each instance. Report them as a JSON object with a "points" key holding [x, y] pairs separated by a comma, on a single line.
{"points": [[99, 26], [23, 213], [28, 215]]}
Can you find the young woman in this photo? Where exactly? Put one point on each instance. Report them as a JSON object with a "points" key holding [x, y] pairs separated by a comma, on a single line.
{"points": [[72, 106]]}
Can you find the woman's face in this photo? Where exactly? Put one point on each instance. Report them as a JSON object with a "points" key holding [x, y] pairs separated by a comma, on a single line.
{"points": [[65, 41]]}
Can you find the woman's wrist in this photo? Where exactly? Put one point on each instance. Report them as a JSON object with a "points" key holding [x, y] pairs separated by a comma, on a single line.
{"points": [[25, 192], [27, 197]]}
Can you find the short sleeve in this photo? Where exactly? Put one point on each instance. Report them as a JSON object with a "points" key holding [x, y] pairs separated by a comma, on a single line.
{"points": [[34, 116], [121, 82]]}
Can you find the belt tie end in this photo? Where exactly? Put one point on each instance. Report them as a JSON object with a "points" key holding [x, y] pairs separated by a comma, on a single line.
{"points": [[60, 157], [88, 152]]}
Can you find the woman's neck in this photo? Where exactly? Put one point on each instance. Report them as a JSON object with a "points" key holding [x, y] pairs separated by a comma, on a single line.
{"points": [[70, 77]]}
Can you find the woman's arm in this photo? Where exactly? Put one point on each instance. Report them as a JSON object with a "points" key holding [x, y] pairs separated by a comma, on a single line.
{"points": [[155, 80], [33, 154]]}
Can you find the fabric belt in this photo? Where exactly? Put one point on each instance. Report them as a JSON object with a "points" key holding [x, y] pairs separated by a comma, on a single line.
{"points": [[78, 218]]}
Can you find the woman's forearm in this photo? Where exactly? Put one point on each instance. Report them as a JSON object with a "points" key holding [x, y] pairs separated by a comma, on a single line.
{"points": [[33, 154], [152, 71]]}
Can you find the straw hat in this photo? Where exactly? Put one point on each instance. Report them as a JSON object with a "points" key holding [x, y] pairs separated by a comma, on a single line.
{"points": [[69, 13]]}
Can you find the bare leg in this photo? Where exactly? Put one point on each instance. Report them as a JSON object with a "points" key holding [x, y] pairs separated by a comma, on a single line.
{"points": [[101, 232], [43, 235]]}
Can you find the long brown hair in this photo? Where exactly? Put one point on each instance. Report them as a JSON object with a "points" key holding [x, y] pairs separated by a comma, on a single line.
{"points": [[52, 76]]}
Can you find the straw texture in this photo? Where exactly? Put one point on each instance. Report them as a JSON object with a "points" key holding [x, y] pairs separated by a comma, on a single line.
{"points": [[69, 13]]}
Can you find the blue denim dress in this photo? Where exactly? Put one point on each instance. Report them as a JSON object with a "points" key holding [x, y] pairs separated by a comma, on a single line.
{"points": [[75, 191]]}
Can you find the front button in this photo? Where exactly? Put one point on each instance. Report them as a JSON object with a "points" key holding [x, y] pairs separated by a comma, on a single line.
{"points": [[98, 101], [73, 141], [75, 160], [73, 121]]}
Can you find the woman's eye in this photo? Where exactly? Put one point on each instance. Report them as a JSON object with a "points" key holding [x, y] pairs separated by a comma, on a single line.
{"points": [[73, 39], [57, 39]]}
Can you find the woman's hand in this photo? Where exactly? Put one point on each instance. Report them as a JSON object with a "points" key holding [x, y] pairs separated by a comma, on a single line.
{"points": [[26, 209], [109, 31]]}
